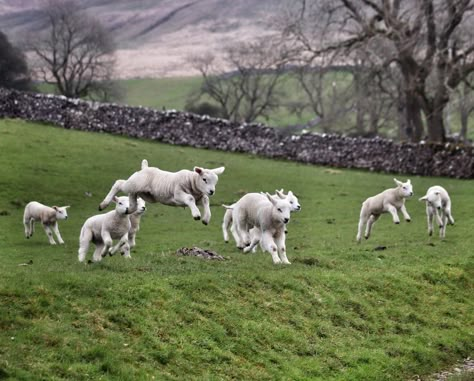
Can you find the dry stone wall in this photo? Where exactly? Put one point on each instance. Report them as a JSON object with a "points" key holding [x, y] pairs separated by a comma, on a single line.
{"points": [[183, 128]]}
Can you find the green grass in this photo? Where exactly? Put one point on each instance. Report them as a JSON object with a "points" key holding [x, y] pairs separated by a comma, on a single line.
{"points": [[341, 311]]}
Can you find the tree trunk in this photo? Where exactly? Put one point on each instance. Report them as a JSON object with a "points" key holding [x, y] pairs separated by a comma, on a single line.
{"points": [[436, 132], [414, 129]]}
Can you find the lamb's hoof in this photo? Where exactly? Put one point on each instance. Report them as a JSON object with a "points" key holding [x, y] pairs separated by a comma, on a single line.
{"points": [[430, 233], [205, 222], [240, 247], [440, 226], [89, 262], [397, 222], [197, 218], [27, 237], [409, 220], [366, 237], [287, 263]]}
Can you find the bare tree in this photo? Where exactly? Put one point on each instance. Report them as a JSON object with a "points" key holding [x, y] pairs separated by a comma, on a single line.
{"points": [[244, 83], [429, 41], [14, 73], [75, 54]]}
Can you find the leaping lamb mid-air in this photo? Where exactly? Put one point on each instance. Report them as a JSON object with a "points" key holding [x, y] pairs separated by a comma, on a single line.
{"points": [[389, 201], [182, 188], [438, 203], [49, 216]]}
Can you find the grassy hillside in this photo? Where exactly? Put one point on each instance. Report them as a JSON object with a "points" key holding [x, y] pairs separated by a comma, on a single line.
{"points": [[341, 311]]}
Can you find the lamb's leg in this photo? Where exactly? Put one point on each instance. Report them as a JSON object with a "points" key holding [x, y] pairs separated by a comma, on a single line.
{"points": [[99, 249], [254, 241], [281, 245], [189, 201], [131, 240], [393, 211], [450, 216], [255, 234], [56, 231], [362, 221], [84, 241], [270, 246], [370, 223], [49, 234], [207, 210], [26, 224], [429, 216], [442, 230], [108, 243], [125, 251], [116, 188], [123, 241], [406, 216], [242, 230], [226, 223], [235, 233]]}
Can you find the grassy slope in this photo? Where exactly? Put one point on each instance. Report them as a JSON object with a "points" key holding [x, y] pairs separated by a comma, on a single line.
{"points": [[341, 311]]}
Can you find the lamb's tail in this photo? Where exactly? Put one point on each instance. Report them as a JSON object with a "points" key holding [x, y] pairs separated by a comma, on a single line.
{"points": [[228, 207], [226, 222], [144, 163]]}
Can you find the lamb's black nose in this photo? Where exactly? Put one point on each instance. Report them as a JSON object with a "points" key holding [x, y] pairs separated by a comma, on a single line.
{"points": [[211, 192], [286, 220]]}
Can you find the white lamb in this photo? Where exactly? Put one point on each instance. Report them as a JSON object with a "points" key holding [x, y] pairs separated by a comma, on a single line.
{"points": [[438, 204], [389, 201], [227, 221], [49, 216], [183, 188], [135, 219], [270, 216], [102, 229]]}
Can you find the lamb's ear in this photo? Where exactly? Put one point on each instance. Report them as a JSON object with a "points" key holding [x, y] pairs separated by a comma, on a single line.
{"points": [[144, 163], [280, 194], [218, 171], [409, 181], [198, 170], [55, 207], [424, 198], [270, 198], [399, 183], [67, 206], [115, 200], [290, 193]]}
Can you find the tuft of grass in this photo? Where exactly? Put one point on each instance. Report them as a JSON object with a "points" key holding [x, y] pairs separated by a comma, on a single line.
{"points": [[341, 311]]}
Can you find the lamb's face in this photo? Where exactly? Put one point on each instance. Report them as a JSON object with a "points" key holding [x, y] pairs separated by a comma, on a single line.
{"points": [[208, 179], [291, 198], [281, 209], [61, 212], [141, 206], [433, 199], [121, 204], [406, 189]]}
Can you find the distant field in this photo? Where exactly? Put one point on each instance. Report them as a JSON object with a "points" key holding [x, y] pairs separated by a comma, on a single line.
{"points": [[341, 311]]}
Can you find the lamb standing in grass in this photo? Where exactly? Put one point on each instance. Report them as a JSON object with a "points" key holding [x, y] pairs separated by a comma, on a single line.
{"points": [[389, 201], [270, 216], [135, 219], [102, 229], [227, 221], [438, 204], [49, 216], [183, 188]]}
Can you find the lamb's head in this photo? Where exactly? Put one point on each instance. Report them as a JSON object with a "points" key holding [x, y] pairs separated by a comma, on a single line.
{"points": [[433, 199], [207, 180], [141, 206], [291, 198], [121, 204], [61, 212], [281, 209], [405, 189]]}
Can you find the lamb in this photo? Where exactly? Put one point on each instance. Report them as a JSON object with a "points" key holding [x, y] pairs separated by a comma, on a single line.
{"points": [[390, 200], [49, 216], [438, 204], [135, 222], [227, 221], [270, 215], [102, 229], [183, 188]]}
